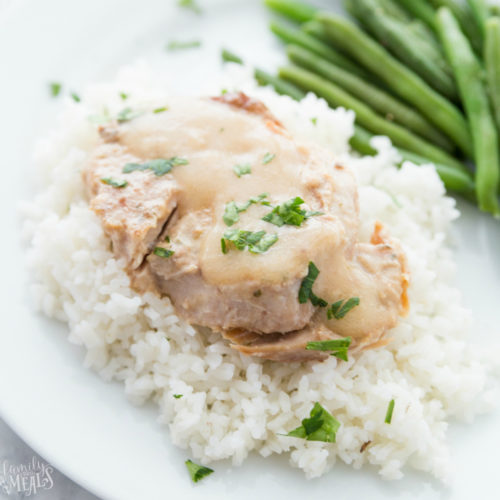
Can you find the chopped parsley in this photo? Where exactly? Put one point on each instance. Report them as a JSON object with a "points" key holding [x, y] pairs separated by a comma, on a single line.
{"points": [[339, 309], [116, 183], [337, 348], [197, 472], [160, 110], [75, 97], [123, 96], [305, 291], [55, 89], [256, 242], [314, 121], [159, 166], [228, 56], [390, 409], [268, 158], [126, 114], [165, 253], [104, 117], [320, 426], [177, 396], [244, 169], [181, 45], [167, 239], [233, 209], [189, 4], [289, 213]]}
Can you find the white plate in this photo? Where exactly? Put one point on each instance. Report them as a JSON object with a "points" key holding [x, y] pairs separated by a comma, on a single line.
{"points": [[84, 426]]}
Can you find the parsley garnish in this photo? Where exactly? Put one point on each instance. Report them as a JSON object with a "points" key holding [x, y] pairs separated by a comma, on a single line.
{"points": [[160, 166], [289, 213], [256, 242], [55, 89], [197, 472], [305, 291], [390, 409], [228, 56], [179, 45], [165, 253], [116, 183], [337, 347], [123, 96], [126, 114], [75, 97], [314, 120], [177, 396], [189, 4], [320, 426], [244, 169], [160, 110], [233, 209], [104, 117], [339, 309], [268, 158]]}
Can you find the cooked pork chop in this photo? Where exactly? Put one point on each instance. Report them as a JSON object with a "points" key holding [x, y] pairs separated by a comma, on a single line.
{"points": [[214, 204]]}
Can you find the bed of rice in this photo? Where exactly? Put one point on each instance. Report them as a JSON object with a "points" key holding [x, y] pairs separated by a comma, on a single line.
{"points": [[233, 404]]}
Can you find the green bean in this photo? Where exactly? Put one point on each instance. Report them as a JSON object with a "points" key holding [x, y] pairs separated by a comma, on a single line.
{"points": [[296, 11], [467, 70], [361, 141], [315, 29], [392, 9], [297, 37], [280, 86], [492, 62], [380, 101], [415, 52], [453, 179], [367, 118], [421, 10], [462, 12], [400, 79], [481, 13]]}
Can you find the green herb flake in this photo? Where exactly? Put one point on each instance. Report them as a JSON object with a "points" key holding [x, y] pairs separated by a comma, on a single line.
{"points": [[337, 348], [126, 114], [228, 56], [160, 110], [244, 169], [256, 242], [159, 166], [305, 291], [314, 121], [390, 409], [190, 4], [55, 89], [75, 97], [320, 426], [197, 472], [339, 309], [116, 183], [232, 210], [177, 396], [123, 96], [289, 213], [164, 253], [182, 45], [257, 293], [167, 239], [268, 158]]}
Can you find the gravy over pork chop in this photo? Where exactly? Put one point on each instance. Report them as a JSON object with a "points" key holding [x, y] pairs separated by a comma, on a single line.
{"points": [[214, 204]]}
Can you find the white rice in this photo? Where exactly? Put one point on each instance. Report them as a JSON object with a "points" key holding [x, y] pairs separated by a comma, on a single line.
{"points": [[233, 404]]}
